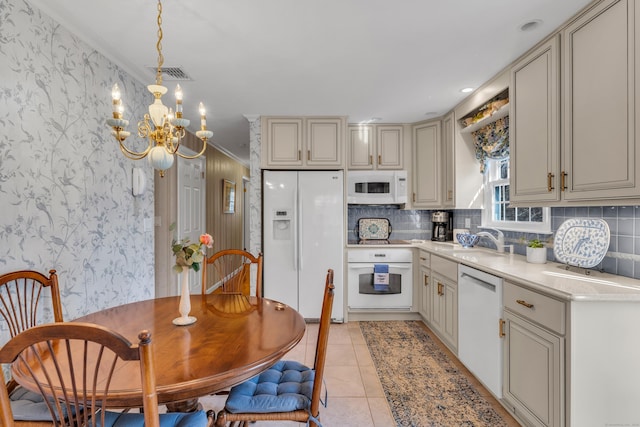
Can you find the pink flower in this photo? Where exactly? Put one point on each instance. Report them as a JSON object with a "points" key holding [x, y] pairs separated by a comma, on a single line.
{"points": [[206, 240]]}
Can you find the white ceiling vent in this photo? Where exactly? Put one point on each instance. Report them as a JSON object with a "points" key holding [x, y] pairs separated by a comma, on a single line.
{"points": [[171, 73]]}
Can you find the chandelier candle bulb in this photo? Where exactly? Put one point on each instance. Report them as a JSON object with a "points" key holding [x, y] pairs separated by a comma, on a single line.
{"points": [[117, 103], [203, 119], [179, 95]]}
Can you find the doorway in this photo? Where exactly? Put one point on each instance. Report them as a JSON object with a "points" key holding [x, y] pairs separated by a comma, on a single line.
{"points": [[246, 213], [191, 209]]}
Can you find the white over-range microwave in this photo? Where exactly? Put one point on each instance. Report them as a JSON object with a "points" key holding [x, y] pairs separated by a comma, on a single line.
{"points": [[377, 187]]}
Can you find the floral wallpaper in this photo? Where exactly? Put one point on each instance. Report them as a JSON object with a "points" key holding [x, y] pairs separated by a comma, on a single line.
{"points": [[65, 187]]}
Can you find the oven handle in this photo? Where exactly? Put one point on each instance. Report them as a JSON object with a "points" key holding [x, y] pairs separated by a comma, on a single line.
{"points": [[359, 266]]}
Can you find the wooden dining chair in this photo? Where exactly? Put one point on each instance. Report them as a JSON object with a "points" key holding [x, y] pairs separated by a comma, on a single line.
{"points": [[21, 296], [229, 271], [73, 363], [288, 391]]}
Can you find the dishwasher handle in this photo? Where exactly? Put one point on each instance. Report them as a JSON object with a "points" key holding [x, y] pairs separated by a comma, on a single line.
{"points": [[479, 282]]}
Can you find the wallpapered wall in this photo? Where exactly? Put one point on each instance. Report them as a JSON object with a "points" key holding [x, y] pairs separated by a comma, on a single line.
{"points": [[65, 188]]}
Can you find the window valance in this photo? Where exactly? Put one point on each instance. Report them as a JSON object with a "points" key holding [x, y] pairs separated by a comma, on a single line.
{"points": [[492, 141]]}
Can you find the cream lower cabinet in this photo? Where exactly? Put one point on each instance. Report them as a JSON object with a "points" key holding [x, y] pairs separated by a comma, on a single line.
{"points": [[533, 380], [424, 285], [444, 308]]}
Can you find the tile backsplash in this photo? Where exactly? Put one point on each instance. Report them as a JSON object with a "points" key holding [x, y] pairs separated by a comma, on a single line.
{"points": [[623, 257]]}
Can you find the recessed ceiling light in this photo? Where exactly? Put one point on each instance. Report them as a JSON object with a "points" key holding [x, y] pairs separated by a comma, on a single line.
{"points": [[371, 120], [430, 113], [466, 90], [531, 25]]}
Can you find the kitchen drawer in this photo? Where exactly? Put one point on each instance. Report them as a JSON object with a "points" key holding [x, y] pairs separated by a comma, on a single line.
{"points": [[445, 267], [425, 259], [544, 310]]}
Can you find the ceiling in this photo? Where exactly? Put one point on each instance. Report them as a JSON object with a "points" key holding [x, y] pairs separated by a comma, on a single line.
{"points": [[400, 61]]}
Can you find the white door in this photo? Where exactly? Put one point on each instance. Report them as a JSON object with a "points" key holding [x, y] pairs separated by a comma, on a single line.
{"points": [[191, 202]]}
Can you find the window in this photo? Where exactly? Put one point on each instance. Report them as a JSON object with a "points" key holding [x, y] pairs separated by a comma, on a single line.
{"points": [[497, 212]]}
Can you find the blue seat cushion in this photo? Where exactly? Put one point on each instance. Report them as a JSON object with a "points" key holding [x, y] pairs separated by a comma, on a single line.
{"points": [[172, 419], [286, 386], [28, 406]]}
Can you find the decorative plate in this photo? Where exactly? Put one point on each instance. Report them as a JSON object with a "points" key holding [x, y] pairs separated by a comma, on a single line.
{"points": [[373, 228], [582, 242]]}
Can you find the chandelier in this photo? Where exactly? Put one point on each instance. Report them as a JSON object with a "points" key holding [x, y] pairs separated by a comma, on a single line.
{"points": [[160, 126]]}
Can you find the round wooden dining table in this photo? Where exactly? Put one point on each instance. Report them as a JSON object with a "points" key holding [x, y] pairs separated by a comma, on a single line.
{"points": [[234, 338]]}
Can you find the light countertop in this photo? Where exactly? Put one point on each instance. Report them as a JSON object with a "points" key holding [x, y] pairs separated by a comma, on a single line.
{"points": [[551, 278]]}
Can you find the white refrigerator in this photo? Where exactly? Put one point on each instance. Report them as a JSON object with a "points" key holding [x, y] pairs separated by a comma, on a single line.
{"points": [[303, 233]]}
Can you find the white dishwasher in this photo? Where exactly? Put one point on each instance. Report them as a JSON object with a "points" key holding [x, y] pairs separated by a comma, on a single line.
{"points": [[479, 314]]}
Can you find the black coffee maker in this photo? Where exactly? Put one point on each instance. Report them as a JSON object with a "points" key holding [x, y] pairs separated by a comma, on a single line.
{"points": [[442, 226]]}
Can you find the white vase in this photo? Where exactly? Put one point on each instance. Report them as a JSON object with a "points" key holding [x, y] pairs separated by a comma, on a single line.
{"points": [[185, 302], [537, 255]]}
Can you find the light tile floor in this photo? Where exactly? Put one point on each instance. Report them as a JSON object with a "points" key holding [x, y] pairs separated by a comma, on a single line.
{"points": [[356, 397]]}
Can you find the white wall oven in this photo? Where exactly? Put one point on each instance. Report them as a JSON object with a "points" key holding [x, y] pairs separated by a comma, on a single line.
{"points": [[365, 291]]}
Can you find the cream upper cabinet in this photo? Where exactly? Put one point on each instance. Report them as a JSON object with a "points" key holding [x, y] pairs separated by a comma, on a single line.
{"points": [[295, 142], [534, 124], [389, 144], [573, 132], [448, 163], [361, 146], [600, 159], [427, 159], [282, 141], [376, 146]]}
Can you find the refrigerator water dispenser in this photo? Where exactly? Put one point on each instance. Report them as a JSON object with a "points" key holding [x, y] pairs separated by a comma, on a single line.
{"points": [[282, 224]]}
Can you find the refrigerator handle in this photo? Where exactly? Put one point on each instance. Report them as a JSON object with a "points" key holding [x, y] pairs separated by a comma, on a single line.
{"points": [[296, 216], [300, 227]]}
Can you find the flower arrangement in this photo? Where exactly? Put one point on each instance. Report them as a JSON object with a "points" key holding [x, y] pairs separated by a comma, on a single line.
{"points": [[190, 255]]}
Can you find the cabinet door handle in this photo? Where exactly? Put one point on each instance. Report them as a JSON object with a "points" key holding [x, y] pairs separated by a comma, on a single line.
{"points": [[308, 155], [501, 328], [414, 197], [440, 292], [371, 159], [299, 155], [550, 177], [563, 181], [523, 302], [426, 280], [379, 159], [450, 195]]}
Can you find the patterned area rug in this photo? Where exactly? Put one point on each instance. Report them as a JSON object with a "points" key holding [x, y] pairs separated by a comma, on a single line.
{"points": [[421, 383]]}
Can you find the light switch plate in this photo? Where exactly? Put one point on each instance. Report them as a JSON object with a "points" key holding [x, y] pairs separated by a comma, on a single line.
{"points": [[467, 222]]}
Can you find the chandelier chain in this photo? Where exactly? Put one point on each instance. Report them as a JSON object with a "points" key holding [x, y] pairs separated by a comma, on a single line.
{"points": [[159, 46]]}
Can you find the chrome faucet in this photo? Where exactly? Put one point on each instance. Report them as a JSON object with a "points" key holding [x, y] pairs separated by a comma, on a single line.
{"points": [[498, 241]]}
